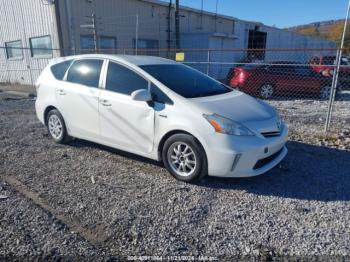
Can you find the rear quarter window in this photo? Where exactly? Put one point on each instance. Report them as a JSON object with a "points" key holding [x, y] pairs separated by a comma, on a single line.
{"points": [[60, 69]]}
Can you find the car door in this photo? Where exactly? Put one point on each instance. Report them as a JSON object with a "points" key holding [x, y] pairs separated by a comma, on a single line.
{"points": [[285, 79], [78, 98], [125, 123], [307, 81]]}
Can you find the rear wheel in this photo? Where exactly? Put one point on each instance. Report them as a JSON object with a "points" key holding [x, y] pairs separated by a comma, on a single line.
{"points": [[57, 127], [266, 91], [184, 158]]}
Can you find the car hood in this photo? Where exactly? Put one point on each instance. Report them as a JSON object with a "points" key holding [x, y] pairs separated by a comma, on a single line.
{"points": [[236, 106]]}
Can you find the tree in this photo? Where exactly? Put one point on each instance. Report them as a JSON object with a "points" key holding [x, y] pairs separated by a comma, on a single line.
{"points": [[309, 31], [336, 31], [333, 32]]}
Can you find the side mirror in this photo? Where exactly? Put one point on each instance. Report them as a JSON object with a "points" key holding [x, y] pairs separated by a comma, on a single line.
{"points": [[141, 95]]}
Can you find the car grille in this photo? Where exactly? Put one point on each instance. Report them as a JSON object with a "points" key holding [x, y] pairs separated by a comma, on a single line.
{"points": [[267, 160], [271, 134]]}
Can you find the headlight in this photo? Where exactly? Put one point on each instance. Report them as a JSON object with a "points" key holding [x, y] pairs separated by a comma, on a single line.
{"points": [[227, 126]]}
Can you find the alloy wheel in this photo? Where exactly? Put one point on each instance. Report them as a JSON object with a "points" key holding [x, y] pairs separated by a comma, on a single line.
{"points": [[266, 91], [55, 127], [182, 159]]}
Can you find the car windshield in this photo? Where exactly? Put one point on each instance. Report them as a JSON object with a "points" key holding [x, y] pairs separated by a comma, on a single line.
{"points": [[186, 81], [331, 60], [328, 60]]}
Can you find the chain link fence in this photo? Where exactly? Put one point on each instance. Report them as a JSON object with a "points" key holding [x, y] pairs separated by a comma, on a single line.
{"points": [[300, 83]]}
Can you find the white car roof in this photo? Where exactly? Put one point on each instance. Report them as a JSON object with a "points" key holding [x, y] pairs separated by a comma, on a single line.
{"points": [[133, 59], [146, 60]]}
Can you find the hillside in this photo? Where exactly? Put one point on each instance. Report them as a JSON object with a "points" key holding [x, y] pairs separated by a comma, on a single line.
{"points": [[330, 30]]}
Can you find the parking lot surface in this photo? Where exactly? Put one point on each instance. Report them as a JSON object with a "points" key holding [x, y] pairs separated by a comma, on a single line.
{"points": [[88, 201]]}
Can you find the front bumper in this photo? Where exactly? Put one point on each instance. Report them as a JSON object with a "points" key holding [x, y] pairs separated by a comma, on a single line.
{"points": [[232, 156]]}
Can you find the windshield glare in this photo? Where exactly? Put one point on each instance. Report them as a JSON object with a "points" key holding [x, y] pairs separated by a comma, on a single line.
{"points": [[186, 81]]}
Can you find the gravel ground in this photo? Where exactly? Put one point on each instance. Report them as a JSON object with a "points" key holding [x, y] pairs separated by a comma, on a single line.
{"points": [[82, 199], [309, 116], [28, 231]]}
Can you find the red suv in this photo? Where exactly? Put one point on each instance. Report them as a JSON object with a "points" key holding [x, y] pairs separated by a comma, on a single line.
{"points": [[279, 79], [326, 65]]}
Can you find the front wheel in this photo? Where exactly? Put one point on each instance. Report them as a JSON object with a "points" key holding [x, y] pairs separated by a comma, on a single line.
{"points": [[184, 158]]}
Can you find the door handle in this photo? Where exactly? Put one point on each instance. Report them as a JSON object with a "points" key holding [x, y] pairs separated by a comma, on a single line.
{"points": [[61, 92], [105, 102]]}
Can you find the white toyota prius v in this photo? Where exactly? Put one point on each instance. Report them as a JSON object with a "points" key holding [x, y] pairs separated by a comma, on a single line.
{"points": [[163, 110]]}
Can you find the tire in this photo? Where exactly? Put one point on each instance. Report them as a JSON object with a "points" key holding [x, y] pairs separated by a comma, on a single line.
{"points": [[190, 163], [56, 127], [266, 91], [325, 92]]}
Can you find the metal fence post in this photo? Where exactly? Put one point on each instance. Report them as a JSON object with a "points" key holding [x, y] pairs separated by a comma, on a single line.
{"points": [[30, 75], [333, 92], [336, 73], [137, 34], [208, 61]]}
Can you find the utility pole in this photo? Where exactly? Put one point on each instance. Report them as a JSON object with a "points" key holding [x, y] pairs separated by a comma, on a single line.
{"points": [[169, 25], [177, 24], [202, 6], [216, 14], [137, 35], [94, 30], [94, 27]]}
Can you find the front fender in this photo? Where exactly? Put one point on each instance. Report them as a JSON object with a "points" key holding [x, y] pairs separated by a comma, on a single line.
{"points": [[195, 128]]}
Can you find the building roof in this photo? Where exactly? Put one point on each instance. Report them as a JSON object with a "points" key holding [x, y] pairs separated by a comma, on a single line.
{"points": [[163, 3], [218, 15], [198, 11]]}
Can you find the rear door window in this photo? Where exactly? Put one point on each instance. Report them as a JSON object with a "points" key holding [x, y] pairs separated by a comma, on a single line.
{"points": [[123, 80], [315, 61], [60, 69], [277, 69], [282, 69], [85, 72], [303, 71]]}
